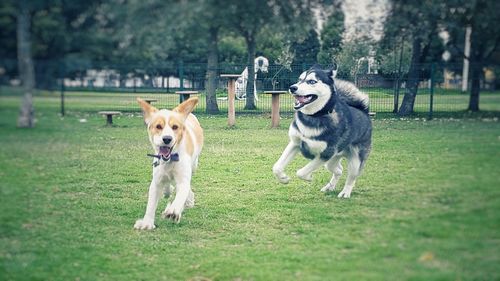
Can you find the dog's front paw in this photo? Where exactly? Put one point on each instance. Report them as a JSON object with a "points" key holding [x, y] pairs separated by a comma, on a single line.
{"points": [[303, 175], [328, 187], [144, 224], [281, 176], [190, 200], [345, 193], [172, 213]]}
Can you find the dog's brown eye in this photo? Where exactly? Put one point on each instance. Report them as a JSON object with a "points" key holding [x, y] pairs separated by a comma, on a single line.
{"points": [[159, 127], [175, 127]]}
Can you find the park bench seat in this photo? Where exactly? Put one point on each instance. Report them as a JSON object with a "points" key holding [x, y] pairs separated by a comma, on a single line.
{"points": [[109, 116]]}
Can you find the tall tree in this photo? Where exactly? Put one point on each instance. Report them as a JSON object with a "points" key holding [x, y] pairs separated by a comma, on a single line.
{"points": [[482, 17], [331, 36], [306, 50], [25, 65], [419, 22], [211, 17], [193, 38], [251, 16], [212, 69]]}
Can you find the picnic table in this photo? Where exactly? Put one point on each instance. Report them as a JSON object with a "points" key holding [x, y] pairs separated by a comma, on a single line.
{"points": [[231, 80], [275, 106], [109, 116]]}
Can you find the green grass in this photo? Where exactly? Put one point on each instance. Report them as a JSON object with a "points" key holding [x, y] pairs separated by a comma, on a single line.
{"points": [[426, 208]]}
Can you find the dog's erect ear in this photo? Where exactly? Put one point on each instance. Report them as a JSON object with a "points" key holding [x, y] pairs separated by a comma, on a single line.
{"points": [[332, 71], [147, 109], [186, 107], [316, 66]]}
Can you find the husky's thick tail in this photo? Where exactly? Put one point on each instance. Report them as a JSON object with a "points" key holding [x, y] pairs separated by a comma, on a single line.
{"points": [[352, 95]]}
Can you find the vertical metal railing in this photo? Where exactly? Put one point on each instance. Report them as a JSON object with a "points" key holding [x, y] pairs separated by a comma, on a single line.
{"points": [[431, 94]]}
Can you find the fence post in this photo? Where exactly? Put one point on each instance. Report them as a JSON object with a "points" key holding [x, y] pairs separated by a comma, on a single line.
{"points": [[181, 79], [396, 97], [61, 74], [431, 101], [398, 81]]}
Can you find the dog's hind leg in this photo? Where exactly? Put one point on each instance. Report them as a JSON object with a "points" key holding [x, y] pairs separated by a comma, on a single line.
{"points": [[354, 166], [333, 165]]}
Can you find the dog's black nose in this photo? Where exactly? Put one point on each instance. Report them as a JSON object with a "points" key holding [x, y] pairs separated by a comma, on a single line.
{"points": [[293, 89], [167, 139]]}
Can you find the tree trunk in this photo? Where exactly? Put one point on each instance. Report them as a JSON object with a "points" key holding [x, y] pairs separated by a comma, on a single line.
{"points": [[25, 65], [212, 67], [475, 86], [250, 102], [412, 81]]}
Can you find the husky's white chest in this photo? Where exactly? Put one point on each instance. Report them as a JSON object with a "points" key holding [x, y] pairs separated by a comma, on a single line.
{"points": [[309, 137]]}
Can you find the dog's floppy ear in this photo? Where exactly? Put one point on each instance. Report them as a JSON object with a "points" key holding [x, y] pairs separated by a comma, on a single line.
{"points": [[186, 107], [147, 109]]}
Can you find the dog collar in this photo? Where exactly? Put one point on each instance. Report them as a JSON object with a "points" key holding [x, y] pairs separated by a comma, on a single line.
{"points": [[323, 112], [174, 157]]}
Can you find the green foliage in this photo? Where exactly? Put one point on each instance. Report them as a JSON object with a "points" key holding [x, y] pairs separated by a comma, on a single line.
{"points": [[347, 59], [270, 43], [482, 17], [8, 29], [232, 50], [306, 51], [331, 38], [116, 31], [71, 191], [390, 58], [413, 21]]}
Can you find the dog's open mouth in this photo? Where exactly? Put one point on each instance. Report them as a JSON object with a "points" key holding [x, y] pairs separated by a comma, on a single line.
{"points": [[301, 101], [165, 152]]}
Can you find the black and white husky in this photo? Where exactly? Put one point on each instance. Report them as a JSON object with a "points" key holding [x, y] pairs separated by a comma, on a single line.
{"points": [[331, 122]]}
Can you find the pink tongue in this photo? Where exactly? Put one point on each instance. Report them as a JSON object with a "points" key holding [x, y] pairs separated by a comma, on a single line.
{"points": [[302, 99], [164, 151]]}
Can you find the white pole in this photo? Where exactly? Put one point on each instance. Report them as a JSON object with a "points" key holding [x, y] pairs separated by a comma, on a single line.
{"points": [[465, 73]]}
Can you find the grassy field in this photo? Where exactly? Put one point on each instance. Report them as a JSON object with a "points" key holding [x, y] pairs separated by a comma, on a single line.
{"points": [[426, 208]]}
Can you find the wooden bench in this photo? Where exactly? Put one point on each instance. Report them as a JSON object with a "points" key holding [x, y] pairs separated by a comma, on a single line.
{"points": [[109, 116], [231, 93], [185, 95], [275, 106]]}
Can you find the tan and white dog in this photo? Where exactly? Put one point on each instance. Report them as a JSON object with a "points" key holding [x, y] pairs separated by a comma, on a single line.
{"points": [[177, 139]]}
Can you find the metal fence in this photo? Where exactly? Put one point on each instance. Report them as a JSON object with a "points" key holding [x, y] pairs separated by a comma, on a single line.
{"points": [[90, 86]]}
